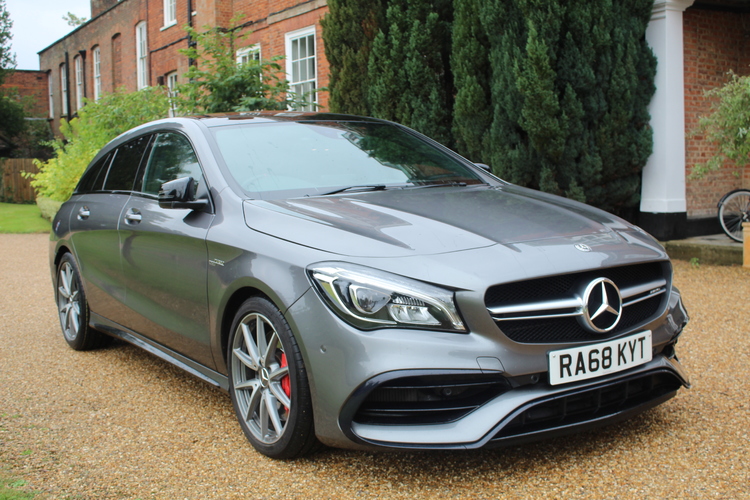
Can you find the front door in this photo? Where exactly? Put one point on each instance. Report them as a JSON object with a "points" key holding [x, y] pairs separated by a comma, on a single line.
{"points": [[164, 255]]}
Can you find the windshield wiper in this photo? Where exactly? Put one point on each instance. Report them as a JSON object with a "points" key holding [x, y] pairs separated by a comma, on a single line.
{"points": [[438, 184], [370, 187]]}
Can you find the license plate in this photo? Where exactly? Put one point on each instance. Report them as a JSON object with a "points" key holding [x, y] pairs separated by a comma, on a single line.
{"points": [[596, 360]]}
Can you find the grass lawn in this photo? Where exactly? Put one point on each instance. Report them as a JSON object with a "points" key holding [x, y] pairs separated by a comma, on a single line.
{"points": [[22, 219]]}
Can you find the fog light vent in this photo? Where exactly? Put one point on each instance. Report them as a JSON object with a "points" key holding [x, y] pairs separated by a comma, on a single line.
{"points": [[432, 399]]}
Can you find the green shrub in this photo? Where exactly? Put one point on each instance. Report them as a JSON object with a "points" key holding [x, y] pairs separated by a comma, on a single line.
{"points": [[727, 126], [98, 123], [48, 207], [217, 84]]}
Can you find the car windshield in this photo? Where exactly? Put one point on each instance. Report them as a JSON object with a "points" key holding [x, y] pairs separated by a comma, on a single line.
{"points": [[289, 159]]}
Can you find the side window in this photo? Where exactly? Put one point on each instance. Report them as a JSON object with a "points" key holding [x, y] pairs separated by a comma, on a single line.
{"points": [[93, 178], [172, 157], [125, 163]]}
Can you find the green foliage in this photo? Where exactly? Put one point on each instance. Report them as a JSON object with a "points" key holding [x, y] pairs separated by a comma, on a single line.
{"points": [[7, 58], [98, 122], [348, 32], [472, 114], [12, 121], [218, 84], [48, 207], [727, 126], [569, 89], [11, 111], [408, 69], [74, 20]]}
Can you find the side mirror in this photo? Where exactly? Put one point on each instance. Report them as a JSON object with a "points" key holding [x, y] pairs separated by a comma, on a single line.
{"points": [[180, 193], [484, 166]]}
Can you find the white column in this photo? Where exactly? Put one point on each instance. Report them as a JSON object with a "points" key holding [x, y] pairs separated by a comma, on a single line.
{"points": [[663, 189]]}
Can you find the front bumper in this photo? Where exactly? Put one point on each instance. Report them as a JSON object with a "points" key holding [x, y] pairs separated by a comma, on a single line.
{"points": [[344, 365], [537, 411]]}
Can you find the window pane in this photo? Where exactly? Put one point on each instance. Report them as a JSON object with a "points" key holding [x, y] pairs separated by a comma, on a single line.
{"points": [[311, 45], [93, 178], [172, 157], [295, 50], [125, 165], [311, 68]]}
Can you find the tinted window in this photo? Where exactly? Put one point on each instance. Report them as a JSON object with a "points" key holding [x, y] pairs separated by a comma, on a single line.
{"points": [[171, 157], [93, 178], [125, 165]]}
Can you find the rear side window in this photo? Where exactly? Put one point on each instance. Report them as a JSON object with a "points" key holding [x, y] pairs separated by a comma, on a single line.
{"points": [[125, 163], [93, 178], [172, 157]]}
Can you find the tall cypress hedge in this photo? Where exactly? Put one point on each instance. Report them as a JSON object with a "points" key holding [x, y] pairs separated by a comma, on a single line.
{"points": [[409, 72], [553, 94], [348, 33]]}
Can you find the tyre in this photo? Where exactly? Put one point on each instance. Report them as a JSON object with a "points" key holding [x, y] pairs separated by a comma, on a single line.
{"points": [[268, 383], [73, 309], [734, 209]]}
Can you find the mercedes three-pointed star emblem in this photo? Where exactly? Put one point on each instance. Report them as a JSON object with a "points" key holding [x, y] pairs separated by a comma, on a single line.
{"points": [[602, 306]]}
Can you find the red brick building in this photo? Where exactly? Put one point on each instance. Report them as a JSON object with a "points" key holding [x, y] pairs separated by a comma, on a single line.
{"points": [[32, 86], [136, 43], [716, 40]]}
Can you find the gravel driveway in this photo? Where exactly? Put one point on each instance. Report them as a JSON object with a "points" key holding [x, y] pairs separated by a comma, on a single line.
{"points": [[119, 423]]}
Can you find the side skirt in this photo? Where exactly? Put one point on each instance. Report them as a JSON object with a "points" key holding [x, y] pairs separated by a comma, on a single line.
{"points": [[196, 369]]}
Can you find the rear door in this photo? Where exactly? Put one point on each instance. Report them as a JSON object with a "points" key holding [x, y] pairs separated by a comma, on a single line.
{"points": [[164, 254], [101, 196]]}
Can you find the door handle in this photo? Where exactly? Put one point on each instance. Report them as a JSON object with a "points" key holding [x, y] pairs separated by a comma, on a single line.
{"points": [[133, 216], [84, 213]]}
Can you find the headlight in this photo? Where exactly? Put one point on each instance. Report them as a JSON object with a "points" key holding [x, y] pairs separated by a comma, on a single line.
{"points": [[368, 298]]}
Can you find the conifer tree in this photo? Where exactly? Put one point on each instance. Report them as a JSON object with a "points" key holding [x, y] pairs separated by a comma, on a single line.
{"points": [[408, 70], [348, 32], [472, 115], [569, 88]]}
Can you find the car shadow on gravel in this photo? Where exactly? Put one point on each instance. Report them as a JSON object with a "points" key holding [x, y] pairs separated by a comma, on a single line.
{"points": [[171, 382]]}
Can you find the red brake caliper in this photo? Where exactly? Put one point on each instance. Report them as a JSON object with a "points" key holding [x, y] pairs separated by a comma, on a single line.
{"points": [[286, 382]]}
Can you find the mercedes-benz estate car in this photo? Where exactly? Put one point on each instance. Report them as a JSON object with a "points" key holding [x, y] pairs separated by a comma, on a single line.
{"points": [[351, 282]]}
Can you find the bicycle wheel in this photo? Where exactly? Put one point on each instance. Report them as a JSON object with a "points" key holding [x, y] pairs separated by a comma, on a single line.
{"points": [[734, 209]]}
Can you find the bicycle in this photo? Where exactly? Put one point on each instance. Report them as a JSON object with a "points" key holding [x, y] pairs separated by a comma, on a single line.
{"points": [[734, 209]]}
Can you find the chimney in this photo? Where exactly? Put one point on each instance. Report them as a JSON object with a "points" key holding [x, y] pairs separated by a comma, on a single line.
{"points": [[99, 6]]}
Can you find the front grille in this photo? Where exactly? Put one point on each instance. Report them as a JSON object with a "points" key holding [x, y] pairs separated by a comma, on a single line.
{"points": [[588, 405], [560, 324], [429, 399]]}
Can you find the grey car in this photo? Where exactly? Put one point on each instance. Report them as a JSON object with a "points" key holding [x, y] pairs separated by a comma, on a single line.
{"points": [[353, 283]]}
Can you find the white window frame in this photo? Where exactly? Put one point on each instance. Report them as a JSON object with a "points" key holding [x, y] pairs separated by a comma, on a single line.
{"points": [[170, 13], [64, 88], [97, 61], [171, 79], [141, 55], [295, 74], [51, 95], [245, 54], [78, 64]]}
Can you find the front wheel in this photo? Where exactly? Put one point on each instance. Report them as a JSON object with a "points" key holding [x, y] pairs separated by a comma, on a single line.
{"points": [[734, 209], [268, 383]]}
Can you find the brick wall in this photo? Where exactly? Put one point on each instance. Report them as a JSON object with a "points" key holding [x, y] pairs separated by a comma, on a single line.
{"points": [[112, 29], [32, 85], [715, 42]]}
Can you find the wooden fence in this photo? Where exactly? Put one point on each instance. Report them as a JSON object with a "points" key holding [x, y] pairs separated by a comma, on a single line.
{"points": [[14, 188]]}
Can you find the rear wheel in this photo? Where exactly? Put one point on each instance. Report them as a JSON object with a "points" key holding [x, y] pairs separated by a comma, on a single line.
{"points": [[73, 309], [734, 209], [268, 383]]}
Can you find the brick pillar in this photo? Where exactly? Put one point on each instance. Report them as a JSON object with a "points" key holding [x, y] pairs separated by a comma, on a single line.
{"points": [[663, 203]]}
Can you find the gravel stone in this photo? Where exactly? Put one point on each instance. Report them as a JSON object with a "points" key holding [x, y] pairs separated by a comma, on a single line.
{"points": [[118, 423]]}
